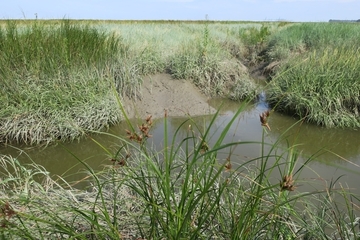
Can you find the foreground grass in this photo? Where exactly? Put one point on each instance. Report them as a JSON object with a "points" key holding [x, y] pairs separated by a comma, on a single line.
{"points": [[184, 191]]}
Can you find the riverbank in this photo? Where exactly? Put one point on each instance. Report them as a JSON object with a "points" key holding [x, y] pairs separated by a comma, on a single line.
{"points": [[61, 79], [160, 93], [65, 83]]}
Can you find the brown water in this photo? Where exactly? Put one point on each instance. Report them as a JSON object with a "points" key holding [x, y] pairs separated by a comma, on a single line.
{"points": [[310, 139]]}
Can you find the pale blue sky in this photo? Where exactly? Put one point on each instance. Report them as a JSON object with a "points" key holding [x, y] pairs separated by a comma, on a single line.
{"points": [[254, 10]]}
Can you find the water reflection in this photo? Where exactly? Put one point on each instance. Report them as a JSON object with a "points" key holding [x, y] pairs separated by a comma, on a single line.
{"points": [[344, 142]]}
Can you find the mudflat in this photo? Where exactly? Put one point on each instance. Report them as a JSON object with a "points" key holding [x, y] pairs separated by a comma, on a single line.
{"points": [[161, 92]]}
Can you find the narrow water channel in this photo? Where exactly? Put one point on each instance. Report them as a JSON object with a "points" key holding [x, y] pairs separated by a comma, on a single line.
{"points": [[337, 150]]}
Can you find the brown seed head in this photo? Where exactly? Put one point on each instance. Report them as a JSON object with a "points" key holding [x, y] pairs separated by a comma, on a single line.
{"points": [[6, 211], [148, 119], [122, 163], [228, 166], [263, 119], [287, 183]]}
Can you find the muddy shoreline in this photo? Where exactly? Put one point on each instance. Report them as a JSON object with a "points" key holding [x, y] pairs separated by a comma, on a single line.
{"points": [[161, 92]]}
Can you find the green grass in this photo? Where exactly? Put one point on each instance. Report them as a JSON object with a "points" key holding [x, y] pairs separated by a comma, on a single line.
{"points": [[185, 190], [318, 78], [302, 37], [56, 75], [55, 81], [208, 54]]}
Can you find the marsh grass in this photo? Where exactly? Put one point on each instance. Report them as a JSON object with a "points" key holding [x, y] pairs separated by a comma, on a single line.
{"points": [[56, 75], [208, 54], [184, 190], [301, 37], [55, 81], [254, 40], [323, 88], [214, 71], [318, 77]]}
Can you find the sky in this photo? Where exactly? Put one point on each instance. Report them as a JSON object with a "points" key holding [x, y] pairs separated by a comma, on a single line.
{"points": [[233, 10]]}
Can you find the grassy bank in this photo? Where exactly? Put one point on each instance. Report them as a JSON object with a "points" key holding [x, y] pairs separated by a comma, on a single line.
{"points": [[57, 75], [208, 54], [184, 191], [318, 78], [55, 81]]}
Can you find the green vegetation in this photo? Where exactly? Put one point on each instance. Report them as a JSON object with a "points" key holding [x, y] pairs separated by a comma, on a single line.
{"points": [[184, 191], [64, 79], [208, 54], [56, 75], [54, 81], [318, 78]]}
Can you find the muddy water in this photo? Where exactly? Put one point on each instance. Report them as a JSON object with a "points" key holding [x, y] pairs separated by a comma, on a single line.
{"points": [[337, 151]]}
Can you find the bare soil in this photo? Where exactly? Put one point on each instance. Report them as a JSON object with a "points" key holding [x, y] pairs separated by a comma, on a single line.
{"points": [[161, 92]]}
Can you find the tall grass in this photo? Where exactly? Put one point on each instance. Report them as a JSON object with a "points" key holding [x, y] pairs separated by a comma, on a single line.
{"points": [[55, 81], [214, 71], [186, 190], [316, 89], [57, 74], [319, 78], [301, 37], [210, 54]]}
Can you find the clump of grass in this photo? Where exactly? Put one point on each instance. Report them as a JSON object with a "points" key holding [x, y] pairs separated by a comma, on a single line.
{"points": [[213, 71], [186, 190], [56, 80], [254, 38], [322, 87], [316, 74]]}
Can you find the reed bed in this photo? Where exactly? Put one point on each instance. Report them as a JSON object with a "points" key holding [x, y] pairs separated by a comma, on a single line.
{"points": [[186, 190]]}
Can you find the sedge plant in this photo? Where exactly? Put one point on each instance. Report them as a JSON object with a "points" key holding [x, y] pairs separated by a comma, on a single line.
{"points": [[186, 189]]}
